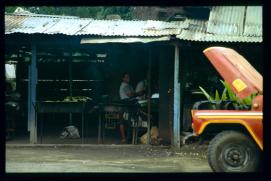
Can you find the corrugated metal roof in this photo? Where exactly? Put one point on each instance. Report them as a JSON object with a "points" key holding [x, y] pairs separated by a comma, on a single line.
{"points": [[236, 20], [124, 40], [253, 23], [197, 31], [226, 23], [130, 28], [199, 36], [86, 26], [226, 20]]}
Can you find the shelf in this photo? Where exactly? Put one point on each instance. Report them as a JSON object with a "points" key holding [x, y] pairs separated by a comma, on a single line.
{"points": [[62, 80]]}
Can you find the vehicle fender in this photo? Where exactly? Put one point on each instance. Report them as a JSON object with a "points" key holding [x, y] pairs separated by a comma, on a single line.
{"points": [[251, 121]]}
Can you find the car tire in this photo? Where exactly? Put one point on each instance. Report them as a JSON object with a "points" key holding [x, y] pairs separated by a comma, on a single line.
{"points": [[232, 151]]}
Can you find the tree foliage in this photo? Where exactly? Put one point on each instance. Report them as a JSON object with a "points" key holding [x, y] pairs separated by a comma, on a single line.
{"points": [[96, 12]]}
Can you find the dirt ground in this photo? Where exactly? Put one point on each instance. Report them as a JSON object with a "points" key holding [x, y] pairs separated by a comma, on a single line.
{"points": [[105, 158]]}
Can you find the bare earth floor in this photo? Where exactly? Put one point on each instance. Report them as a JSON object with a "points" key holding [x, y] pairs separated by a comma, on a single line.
{"points": [[105, 158]]}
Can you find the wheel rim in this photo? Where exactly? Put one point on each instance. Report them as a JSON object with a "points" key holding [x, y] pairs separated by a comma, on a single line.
{"points": [[235, 157]]}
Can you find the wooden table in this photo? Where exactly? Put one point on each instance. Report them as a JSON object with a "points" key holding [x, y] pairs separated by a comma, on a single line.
{"points": [[63, 107]]}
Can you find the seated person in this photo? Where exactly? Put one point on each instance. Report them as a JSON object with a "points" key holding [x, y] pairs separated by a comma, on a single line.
{"points": [[141, 89], [126, 93]]}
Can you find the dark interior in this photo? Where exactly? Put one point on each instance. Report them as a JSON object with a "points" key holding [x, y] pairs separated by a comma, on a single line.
{"points": [[95, 70]]}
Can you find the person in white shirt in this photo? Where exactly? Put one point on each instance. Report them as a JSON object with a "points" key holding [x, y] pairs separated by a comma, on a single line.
{"points": [[126, 92], [141, 89]]}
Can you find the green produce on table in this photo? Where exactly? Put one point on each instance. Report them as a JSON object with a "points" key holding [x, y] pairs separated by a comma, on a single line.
{"points": [[77, 99]]}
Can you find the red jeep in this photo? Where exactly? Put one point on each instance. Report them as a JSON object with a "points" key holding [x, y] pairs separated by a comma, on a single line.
{"points": [[237, 144]]}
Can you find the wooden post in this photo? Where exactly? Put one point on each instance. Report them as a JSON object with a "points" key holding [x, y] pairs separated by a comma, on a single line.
{"points": [[32, 77], [70, 83], [149, 98], [176, 101], [166, 68]]}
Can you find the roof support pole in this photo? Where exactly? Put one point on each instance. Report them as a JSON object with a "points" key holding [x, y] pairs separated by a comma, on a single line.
{"points": [[70, 83], [176, 100], [32, 77], [149, 95]]}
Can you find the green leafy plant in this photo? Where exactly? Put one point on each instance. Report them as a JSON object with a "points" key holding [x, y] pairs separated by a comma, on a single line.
{"points": [[217, 99], [246, 102], [229, 95]]}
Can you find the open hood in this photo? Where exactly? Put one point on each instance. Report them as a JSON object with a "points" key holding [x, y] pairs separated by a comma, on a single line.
{"points": [[236, 71]]}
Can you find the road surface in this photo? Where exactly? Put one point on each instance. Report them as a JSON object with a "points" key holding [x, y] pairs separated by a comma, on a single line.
{"points": [[105, 158]]}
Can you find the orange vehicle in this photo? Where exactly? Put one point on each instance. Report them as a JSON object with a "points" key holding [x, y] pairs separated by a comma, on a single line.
{"points": [[237, 135]]}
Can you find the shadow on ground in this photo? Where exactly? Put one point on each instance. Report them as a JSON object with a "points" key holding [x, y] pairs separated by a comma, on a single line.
{"points": [[105, 158]]}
